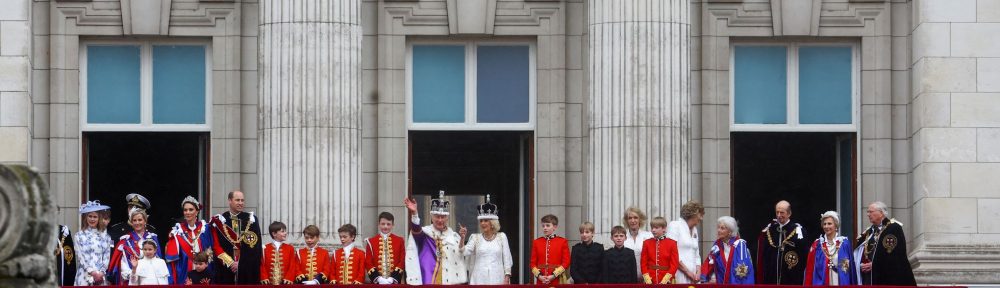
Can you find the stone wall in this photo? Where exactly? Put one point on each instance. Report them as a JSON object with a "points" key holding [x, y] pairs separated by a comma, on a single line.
{"points": [[15, 82], [955, 141]]}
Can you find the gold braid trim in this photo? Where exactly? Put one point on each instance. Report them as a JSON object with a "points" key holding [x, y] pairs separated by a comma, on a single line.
{"points": [[558, 271], [226, 259], [771, 241], [646, 278], [536, 272]]}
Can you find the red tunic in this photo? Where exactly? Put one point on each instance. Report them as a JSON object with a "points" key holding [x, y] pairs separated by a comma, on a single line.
{"points": [[385, 258], [313, 266], [348, 270], [279, 265], [550, 256], [659, 260]]}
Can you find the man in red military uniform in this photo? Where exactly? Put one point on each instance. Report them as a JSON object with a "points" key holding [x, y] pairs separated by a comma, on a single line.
{"points": [[550, 254], [659, 260], [279, 265], [385, 254]]}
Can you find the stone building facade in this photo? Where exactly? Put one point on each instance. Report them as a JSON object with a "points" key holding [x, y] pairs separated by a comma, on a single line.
{"points": [[312, 106]]}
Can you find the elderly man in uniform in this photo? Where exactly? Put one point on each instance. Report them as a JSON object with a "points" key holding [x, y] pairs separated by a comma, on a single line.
{"points": [[782, 248], [881, 250], [432, 251], [119, 229]]}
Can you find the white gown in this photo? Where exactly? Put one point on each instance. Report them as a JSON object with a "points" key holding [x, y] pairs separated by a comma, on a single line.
{"points": [[687, 249], [490, 260], [149, 272]]}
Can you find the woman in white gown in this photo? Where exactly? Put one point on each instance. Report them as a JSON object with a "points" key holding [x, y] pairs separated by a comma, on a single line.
{"points": [[488, 253], [684, 231]]}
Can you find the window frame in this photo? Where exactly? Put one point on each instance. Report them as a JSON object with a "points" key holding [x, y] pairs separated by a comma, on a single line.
{"points": [[792, 88], [471, 94], [145, 87]]}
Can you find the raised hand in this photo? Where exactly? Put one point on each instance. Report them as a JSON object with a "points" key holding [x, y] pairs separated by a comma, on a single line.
{"points": [[462, 231], [410, 204]]}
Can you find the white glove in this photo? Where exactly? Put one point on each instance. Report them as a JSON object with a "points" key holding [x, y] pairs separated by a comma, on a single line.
{"points": [[310, 282], [385, 280]]}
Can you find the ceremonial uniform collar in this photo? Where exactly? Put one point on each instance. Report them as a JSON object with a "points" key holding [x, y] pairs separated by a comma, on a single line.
{"points": [[549, 237], [661, 237]]}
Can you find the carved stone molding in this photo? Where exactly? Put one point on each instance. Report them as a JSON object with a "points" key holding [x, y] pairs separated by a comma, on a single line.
{"points": [[496, 18], [145, 17], [109, 18], [856, 19]]}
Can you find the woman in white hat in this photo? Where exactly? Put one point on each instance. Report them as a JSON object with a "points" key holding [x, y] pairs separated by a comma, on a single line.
{"points": [[488, 252], [92, 245]]}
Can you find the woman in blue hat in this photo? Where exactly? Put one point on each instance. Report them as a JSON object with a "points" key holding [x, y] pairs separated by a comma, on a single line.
{"points": [[92, 245]]}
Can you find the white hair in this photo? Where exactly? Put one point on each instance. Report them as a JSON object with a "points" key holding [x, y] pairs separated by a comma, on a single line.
{"points": [[881, 207], [730, 224], [831, 214]]}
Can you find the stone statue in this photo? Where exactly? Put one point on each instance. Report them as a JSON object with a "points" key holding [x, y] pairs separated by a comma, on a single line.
{"points": [[26, 235]]}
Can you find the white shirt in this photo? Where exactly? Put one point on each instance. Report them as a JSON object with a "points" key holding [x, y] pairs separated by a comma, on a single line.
{"points": [[636, 245], [687, 248], [150, 271]]}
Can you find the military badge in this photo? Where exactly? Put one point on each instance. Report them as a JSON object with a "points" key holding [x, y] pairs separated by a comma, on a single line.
{"points": [[845, 265], [792, 259], [890, 242], [67, 254], [250, 238], [742, 270]]}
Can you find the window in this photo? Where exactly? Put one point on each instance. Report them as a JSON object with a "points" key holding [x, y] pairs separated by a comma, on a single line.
{"points": [[471, 86], [794, 87], [145, 86]]}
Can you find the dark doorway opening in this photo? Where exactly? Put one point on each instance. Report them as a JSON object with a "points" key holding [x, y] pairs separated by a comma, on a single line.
{"points": [[164, 167], [815, 172], [467, 165]]}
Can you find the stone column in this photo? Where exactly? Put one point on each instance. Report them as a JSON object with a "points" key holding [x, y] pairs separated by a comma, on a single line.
{"points": [[309, 118], [638, 109], [955, 143]]}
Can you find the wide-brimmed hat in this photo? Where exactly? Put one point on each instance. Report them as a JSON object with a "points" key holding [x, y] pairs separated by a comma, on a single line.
{"points": [[92, 206]]}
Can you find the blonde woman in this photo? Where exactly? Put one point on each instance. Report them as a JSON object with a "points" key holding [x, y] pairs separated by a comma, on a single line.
{"points": [[634, 220], [92, 245]]}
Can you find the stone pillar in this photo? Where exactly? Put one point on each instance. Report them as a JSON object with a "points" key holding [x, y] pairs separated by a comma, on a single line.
{"points": [[638, 109], [956, 142], [309, 118], [15, 82]]}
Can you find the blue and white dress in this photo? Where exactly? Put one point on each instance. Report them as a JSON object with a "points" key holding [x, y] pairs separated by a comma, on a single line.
{"points": [[93, 251]]}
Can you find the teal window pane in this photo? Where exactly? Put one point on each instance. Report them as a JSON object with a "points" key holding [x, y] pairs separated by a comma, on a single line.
{"points": [[502, 84], [760, 84], [179, 84], [438, 84], [113, 84], [825, 85]]}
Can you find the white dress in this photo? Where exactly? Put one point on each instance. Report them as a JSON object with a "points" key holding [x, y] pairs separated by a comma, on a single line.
{"points": [[636, 245], [687, 249], [149, 272], [490, 259], [93, 252]]}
